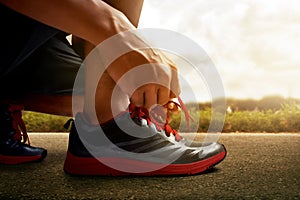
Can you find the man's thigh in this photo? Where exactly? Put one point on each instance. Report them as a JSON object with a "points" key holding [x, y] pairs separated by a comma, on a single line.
{"points": [[49, 70], [55, 68]]}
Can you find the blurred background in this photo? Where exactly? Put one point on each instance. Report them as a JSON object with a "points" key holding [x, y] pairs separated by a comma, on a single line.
{"points": [[254, 44]]}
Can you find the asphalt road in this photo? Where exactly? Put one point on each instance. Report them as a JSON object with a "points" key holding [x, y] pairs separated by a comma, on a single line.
{"points": [[258, 166]]}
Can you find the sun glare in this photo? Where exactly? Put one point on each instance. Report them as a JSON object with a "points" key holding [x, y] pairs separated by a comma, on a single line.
{"points": [[254, 44]]}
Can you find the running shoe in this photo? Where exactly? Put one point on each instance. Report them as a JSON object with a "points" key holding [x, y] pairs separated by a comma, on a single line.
{"points": [[132, 144], [15, 146]]}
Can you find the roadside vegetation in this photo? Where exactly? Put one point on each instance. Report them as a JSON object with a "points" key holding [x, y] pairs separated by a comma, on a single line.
{"points": [[38, 122], [271, 114]]}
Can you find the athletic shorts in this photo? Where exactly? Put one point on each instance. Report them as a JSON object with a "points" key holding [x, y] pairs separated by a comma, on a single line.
{"points": [[50, 69]]}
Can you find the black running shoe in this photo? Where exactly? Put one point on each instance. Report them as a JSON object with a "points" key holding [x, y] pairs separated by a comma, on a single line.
{"points": [[131, 144], [13, 138]]}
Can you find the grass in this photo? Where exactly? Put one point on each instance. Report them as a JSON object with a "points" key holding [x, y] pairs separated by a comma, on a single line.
{"points": [[284, 119], [39, 122]]}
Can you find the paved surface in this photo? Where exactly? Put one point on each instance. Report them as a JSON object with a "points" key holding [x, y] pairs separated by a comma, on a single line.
{"points": [[257, 167]]}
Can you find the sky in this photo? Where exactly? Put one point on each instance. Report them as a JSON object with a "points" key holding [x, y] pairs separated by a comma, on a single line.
{"points": [[254, 44]]}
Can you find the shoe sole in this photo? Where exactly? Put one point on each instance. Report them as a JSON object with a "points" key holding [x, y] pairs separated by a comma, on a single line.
{"points": [[75, 165], [13, 160]]}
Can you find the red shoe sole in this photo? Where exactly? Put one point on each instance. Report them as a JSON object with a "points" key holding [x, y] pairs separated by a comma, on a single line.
{"points": [[91, 166], [13, 160]]}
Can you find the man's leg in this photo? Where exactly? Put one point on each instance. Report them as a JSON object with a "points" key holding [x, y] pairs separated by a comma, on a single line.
{"points": [[35, 75], [52, 104], [48, 89], [132, 9], [62, 104]]}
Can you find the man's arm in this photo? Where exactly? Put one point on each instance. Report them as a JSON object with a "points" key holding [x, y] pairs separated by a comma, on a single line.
{"points": [[91, 20], [96, 21]]}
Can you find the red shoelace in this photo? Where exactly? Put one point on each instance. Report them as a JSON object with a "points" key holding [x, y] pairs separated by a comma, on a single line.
{"points": [[160, 116], [18, 123]]}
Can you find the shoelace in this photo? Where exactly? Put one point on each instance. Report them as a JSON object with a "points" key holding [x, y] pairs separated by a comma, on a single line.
{"points": [[18, 123], [159, 113]]}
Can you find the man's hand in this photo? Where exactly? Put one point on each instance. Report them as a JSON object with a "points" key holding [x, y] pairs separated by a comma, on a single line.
{"points": [[148, 76]]}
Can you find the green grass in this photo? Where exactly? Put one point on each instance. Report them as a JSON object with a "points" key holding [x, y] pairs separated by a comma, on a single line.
{"points": [[285, 119], [38, 122]]}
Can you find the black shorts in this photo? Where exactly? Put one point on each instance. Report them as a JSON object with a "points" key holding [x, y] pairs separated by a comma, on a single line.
{"points": [[49, 69]]}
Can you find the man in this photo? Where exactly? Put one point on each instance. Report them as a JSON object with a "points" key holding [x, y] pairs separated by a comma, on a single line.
{"points": [[39, 69]]}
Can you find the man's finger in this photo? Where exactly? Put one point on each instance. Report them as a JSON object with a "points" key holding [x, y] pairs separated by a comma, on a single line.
{"points": [[163, 95], [175, 85], [138, 98], [150, 96]]}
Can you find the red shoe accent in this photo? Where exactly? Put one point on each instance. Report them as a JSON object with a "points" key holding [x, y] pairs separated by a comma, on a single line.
{"points": [[12, 160], [164, 113], [18, 123], [92, 166]]}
